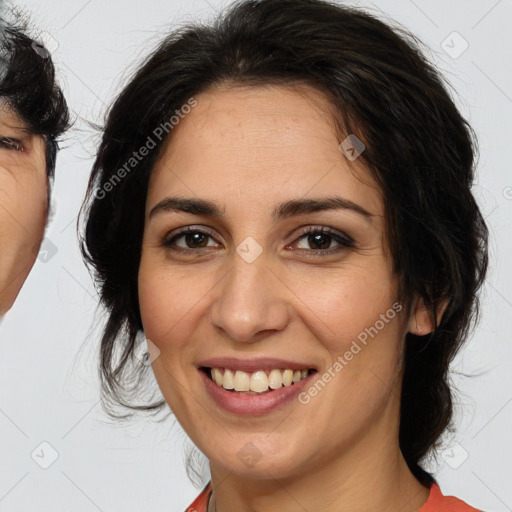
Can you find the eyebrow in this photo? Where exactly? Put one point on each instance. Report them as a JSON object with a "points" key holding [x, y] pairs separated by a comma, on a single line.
{"points": [[285, 210]]}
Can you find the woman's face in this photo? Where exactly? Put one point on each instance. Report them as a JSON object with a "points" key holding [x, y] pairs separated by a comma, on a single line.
{"points": [[23, 203], [248, 284]]}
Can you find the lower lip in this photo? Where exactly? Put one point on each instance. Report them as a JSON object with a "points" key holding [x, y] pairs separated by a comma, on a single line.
{"points": [[253, 404]]}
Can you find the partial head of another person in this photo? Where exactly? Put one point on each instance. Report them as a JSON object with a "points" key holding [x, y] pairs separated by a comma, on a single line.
{"points": [[33, 115]]}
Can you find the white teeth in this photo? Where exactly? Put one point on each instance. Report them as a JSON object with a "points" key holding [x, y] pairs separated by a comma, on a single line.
{"points": [[228, 381], [287, 377], [275, 379], [217, 376], [242, 381], [257, 382]]}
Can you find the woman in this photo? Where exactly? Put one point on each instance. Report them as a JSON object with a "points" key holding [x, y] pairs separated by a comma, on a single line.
{"points": [[281, 204], [33, 114]]}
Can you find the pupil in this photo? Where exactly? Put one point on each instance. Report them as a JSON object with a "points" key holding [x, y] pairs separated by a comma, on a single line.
{"points": [[320, 236], [193, 239]]}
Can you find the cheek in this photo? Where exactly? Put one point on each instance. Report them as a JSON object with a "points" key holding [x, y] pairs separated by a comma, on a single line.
{"points": [[37, 215], [358, 321], [169, 309], [346, 301], [24, 201], [168, 300]]}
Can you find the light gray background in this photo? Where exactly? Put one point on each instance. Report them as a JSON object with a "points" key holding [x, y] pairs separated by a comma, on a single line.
{"points": [[48, 380]]}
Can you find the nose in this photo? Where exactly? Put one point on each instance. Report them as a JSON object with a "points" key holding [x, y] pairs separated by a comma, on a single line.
{"points": [[251, 300]]}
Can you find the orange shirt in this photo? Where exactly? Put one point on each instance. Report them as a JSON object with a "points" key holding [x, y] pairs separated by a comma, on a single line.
{"points": [[436, 502]]}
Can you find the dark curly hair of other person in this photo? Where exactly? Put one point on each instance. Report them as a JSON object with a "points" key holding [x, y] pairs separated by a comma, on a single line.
{"points": [[28, 84]]}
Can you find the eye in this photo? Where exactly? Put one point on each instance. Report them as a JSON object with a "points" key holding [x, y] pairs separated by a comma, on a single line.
{"points": [[321, 237], [11, 143], [194, 239]]}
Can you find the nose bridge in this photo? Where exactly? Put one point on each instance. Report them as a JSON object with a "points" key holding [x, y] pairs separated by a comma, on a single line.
{"points": [[250, 298]]}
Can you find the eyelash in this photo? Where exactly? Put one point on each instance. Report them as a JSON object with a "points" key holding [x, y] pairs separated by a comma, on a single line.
{"points": [[10, 143], [344, 240]]}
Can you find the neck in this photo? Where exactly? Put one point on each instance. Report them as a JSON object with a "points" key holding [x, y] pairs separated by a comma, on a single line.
{"points": [[386, 491]]}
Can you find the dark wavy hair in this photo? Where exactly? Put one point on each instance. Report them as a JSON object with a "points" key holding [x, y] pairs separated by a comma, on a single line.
{"points": [[28, 84], [419, 149]]}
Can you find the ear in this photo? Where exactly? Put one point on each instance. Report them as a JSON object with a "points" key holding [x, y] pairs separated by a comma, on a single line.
{"points": [[420, 320]]}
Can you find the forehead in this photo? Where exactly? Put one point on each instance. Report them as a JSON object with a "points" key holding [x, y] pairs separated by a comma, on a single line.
{"points": [[264, 120], [269, 141]]}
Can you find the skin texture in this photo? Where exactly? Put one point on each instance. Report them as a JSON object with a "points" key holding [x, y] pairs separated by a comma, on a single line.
{"points": [[23, 205], [250, 149]]}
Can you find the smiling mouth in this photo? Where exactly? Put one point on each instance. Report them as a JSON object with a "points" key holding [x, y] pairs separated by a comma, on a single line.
{"points": [[255, 383]]}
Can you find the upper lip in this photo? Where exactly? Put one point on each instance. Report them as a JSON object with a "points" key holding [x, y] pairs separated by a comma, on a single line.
{"points": [[253, 365]]}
